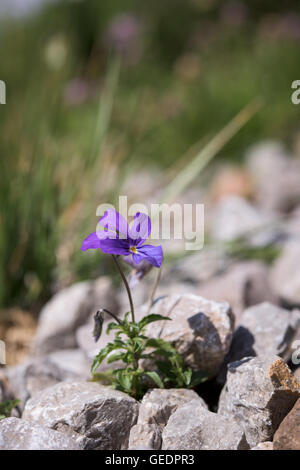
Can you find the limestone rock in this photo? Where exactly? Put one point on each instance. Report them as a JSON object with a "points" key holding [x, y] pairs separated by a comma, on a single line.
{"points": [[18, 434], [196, 268], [231, 180], [264, 329], [35, 375], [275, 176], [285, 275], [97, 417], [88, 346], [6, 392], [241, 285], [267, 445], [158, 404], [192, 427], [287, 436], [235, 217], [71, 361], [155, 410], [67, 310], [145, 437], [200, 330], [258, 394]]}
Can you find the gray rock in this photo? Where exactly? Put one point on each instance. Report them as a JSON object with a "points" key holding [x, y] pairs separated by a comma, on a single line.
{"points": [[158, 404], [71, 361], [155, 410], [88, 346], [192, 427], [267, 445], [285, 275], [18, 434], [97, 417], [297, 373], [287, 436], [35, 375], [275, 175], [145, 437], [264, 329], [243, 284], [235, 217], [259, 393], [196, 268], [6, 392], [69, 309], [291, 225], [200, 330]]}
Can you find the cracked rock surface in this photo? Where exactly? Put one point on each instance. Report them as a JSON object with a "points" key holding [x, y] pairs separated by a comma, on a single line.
{"points": [[258, 394], [155, 410], [192, 427], [96, 417], [201, 330], [18, 434]]}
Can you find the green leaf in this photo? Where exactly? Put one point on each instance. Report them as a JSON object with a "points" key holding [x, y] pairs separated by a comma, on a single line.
{"points": [[116, 357], [125, 380], [164, 368], [113, 326], [126, 321], [138, 345], [153, 317], [104, 352], [187, 375], [156, 378], [6, 408], [198, 377], [160, 344], [105, 378]]}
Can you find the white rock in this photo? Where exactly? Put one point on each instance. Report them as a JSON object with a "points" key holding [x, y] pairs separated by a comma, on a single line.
{"points": [[18, 434], [72, 361], [192, 427], [158, 404], [264, 329], [275, 176], [97, 417], [200, 330], [285, 275], [37, 374], [69, 309], [258, 394], [145, 437], [196, 268], [235, 217], [243, 284], [267, 445]]}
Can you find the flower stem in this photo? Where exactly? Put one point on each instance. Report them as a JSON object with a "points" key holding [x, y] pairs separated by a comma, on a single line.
{"points": [[154, 290], [111, 314], [126, 286]]}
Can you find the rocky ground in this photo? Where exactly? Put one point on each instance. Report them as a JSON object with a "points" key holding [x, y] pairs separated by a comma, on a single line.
{"points": [[238, 319]]}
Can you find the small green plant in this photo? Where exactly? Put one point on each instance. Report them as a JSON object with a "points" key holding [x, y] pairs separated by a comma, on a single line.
{"points": [[6, 408], [131, 345]]}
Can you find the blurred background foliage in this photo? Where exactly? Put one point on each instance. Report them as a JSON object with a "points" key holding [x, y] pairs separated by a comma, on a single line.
{"points": [[99, 89]]}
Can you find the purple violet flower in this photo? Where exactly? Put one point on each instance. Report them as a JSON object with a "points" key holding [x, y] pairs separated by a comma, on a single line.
{"points": [[117, 238]]}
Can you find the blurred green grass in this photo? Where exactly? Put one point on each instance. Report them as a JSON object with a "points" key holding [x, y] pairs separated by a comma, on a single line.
{"points": [[193, 72]]}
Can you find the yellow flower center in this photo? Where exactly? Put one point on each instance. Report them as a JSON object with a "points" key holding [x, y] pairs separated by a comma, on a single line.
{"points": [[133, 249]]}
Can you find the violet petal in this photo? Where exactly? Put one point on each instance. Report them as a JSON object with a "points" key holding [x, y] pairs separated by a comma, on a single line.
{"points": [[140, 228], [91, 242], [115, 246], [113, 221], [152, 254]]}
